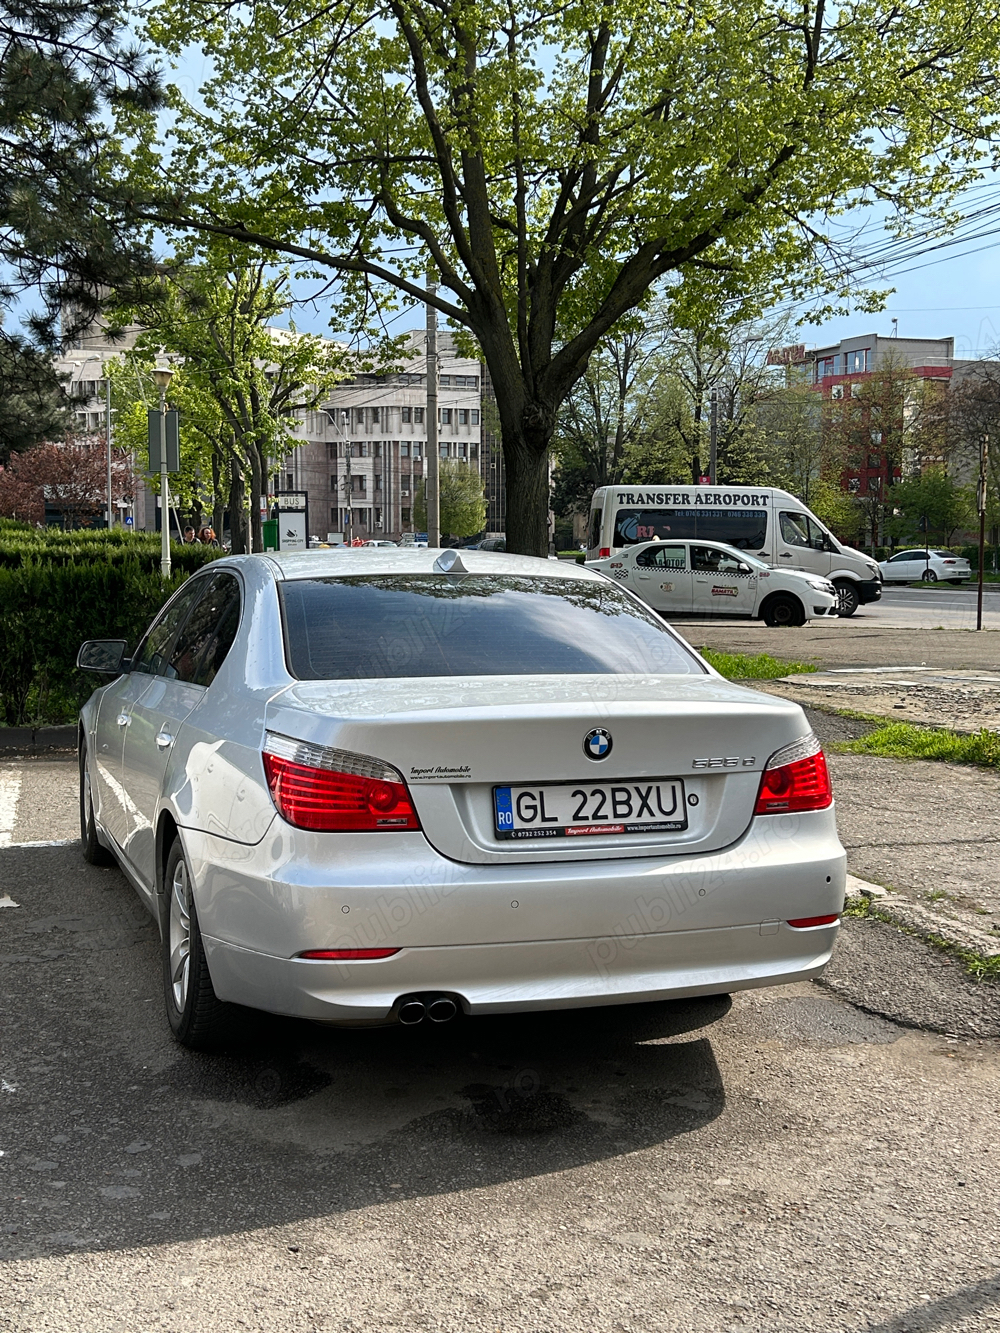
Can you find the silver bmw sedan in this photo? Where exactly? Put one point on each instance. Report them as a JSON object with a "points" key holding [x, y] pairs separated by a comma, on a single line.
{"points": [[386, 785]]}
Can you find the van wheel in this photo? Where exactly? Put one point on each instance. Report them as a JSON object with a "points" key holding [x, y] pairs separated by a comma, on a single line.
{"points": [[848, 600], [198, 1018], [783, 610]]}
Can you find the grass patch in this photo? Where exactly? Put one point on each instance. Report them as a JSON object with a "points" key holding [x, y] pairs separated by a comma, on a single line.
{"points": [[902, 740], [752, 666]]}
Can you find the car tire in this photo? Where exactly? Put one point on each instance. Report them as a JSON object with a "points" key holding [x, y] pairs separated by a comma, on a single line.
{"points": [[929, 576], [94, 853], [783, 610], [198, 1019], [848, 600]]}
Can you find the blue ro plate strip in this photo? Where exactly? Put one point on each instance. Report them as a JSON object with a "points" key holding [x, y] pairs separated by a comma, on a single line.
{"points": [[504, 809]]}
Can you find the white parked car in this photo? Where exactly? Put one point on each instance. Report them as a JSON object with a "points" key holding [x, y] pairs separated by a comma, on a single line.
{"points": [[378, 786], [379, 541], [713, 579], [916, 564]]}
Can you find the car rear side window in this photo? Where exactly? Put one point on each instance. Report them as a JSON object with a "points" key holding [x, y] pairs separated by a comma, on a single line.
{"points": [[473, 625]]}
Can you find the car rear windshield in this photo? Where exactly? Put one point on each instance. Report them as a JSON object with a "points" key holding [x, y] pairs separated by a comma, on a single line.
{"points": [[472, 625]]}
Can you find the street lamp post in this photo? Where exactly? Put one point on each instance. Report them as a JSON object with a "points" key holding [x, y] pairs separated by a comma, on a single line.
{"points": [[162, 375]]}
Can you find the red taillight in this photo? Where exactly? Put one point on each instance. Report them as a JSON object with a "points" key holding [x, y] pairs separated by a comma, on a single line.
{"points": [[949, 562], [796, 778], [347, 955], [604, 551], [804, 922], [324, 793]]}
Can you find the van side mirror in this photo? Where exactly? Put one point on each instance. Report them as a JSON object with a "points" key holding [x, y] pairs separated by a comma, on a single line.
{"points": [[104, 656]]}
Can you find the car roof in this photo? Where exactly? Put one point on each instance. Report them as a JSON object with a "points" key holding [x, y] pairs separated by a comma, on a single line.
{"points": [[410, 560]]}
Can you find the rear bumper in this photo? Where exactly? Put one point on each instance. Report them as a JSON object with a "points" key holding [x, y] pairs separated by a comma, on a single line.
{"points": [[542, 974], [514, 936]]}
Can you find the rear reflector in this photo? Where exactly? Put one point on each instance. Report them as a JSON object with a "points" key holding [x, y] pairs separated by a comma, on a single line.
{"points": [[328, 790], [796, 778], [348, 955], [603, 552], [803, 922]]}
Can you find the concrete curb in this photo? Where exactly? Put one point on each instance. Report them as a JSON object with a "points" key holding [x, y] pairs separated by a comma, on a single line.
{"points": [[926, 922], [36, 740]]}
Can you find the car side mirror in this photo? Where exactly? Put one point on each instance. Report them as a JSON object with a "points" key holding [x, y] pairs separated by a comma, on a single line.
{"points": [[744, 569], [105, 656]]}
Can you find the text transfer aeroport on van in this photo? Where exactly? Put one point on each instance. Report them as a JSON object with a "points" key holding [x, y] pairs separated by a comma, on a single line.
{"points": [[770, 523]]}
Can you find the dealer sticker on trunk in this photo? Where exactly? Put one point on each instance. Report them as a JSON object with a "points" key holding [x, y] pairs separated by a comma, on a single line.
{"points": [[590, 809]]}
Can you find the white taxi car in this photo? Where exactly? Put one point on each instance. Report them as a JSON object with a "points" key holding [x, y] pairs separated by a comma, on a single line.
{"points": [[680, 578], [378, 786]]}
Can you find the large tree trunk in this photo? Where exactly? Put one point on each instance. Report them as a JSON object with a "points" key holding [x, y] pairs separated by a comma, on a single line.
{"points": [[237, 509], [526, 464], [257, 484], [218, 493]]}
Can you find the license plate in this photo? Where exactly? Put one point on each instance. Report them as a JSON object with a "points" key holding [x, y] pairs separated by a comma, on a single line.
{"points": [[589, 809]]}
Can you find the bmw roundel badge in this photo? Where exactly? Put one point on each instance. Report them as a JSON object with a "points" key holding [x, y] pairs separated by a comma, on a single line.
{"points": [[597, 743]]}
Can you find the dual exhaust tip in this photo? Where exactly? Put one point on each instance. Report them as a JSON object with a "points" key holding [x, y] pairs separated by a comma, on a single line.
{"points": [[413, 1009]]}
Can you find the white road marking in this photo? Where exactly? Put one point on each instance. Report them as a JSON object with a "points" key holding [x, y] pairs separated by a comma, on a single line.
{"points": [[10, 790], [8, 901], [53, 842]]}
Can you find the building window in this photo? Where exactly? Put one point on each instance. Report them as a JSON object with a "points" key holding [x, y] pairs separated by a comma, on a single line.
{"points": [[854, 485], [463, 449], [331, 451], [404, 484], [418, 415], [856, 362], [376, 415], [856, 389], [463, 416], [404, 449], [359, 416], [445, 379], [443, 450], [359, 451], [345, 416], [378, 481], [334, 515], [466, 381], [875, 460], [359, 484], [289, 481], [445, 416], [416, 450], [406, 414], [404, 515], [378, 517], [473, 450], [333, 483], [874, 485], [475, 416], [837, 392]]}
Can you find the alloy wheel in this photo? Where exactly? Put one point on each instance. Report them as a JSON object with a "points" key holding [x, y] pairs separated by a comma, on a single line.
{"points": [[180, 936]]}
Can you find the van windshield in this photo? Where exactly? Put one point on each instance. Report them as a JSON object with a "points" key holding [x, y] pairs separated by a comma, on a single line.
{"points": [[746, 529]]}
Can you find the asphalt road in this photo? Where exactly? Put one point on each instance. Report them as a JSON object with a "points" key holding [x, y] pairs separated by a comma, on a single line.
{"points": [[790, 1162]]}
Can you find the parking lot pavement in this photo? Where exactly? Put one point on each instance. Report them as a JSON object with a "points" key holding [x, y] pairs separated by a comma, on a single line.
{"points": [[850, 643], [788, 1163]]}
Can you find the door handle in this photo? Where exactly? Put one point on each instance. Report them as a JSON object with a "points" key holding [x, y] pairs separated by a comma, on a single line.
{"points": [[786, 555], [123, 719], [164, 740]]}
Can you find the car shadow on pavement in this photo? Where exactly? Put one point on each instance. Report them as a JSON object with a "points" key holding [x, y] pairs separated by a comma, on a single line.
{"points": [[946, 1312], [115, 1137]]}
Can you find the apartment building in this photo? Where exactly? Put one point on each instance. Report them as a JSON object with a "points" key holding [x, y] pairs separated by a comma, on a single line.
{"points": [[363, 455]]}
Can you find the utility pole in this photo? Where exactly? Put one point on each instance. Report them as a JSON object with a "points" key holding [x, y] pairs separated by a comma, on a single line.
{"points": [[432, 492], [162, 376], [713, 439], [984, 449]]}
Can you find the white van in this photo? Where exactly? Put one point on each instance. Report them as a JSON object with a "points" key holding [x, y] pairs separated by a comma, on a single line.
{"points": [[773, 525]]}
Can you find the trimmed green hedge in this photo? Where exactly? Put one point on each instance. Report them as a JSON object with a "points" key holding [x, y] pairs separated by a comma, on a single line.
{"points": [[57, 589]]}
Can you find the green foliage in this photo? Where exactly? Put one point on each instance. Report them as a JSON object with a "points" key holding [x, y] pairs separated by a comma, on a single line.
{"points": [[463, 503], [553, 164], [752, 666], [901, 740], [33, 406], [60, 589], [933, 495], [64, 70]]}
